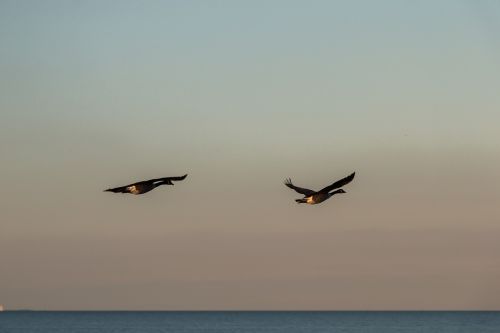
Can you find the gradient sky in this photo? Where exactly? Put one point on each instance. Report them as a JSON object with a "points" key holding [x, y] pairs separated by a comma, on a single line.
{"points": [[241, 95]]}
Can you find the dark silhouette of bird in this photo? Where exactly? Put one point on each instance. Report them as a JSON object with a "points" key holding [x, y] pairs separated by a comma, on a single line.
{"points": [[312, 197], [145, 186]]}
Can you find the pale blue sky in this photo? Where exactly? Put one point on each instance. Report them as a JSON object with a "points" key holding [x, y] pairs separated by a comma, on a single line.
{"points": [[241, 95]]}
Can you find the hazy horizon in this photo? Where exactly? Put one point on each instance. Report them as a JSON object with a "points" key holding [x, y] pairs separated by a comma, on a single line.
{"points": [[241, 95]]}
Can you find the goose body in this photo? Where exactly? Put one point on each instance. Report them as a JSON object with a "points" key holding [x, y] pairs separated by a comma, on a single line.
{"points": [[145, 185], [312, 197]]}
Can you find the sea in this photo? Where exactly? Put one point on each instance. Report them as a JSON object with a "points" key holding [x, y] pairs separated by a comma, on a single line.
{"points": [[247, 322]]}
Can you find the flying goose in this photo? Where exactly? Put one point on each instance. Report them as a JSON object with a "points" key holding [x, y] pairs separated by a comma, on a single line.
{"points": [[145, 186], [312, 197]]}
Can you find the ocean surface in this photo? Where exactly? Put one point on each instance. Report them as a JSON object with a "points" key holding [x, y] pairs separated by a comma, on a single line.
{"points": [[246, 322]]}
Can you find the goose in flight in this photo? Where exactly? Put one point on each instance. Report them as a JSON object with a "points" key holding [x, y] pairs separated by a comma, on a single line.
{"points": [[145, 186], [312, 197]]}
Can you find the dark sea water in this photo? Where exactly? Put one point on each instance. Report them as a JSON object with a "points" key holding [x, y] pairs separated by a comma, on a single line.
{"points": [[246, 322]]}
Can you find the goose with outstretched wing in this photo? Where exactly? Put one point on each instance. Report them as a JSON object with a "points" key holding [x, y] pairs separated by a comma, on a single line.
{"points": [[145, 185], [315, 197]]}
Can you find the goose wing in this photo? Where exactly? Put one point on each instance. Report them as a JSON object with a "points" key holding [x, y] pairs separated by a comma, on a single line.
{"points": [[121, 189], [339, 183], [164, 179], [304, 191]]}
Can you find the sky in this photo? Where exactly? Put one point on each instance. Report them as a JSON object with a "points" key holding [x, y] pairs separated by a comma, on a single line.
{"points": [[241, 95]]}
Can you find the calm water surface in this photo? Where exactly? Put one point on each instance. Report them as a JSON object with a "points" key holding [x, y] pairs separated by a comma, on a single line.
{"points": [[246, 322]]}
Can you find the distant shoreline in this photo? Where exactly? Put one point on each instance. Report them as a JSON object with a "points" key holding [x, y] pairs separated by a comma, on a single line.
{"points": [[248, 311]]}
